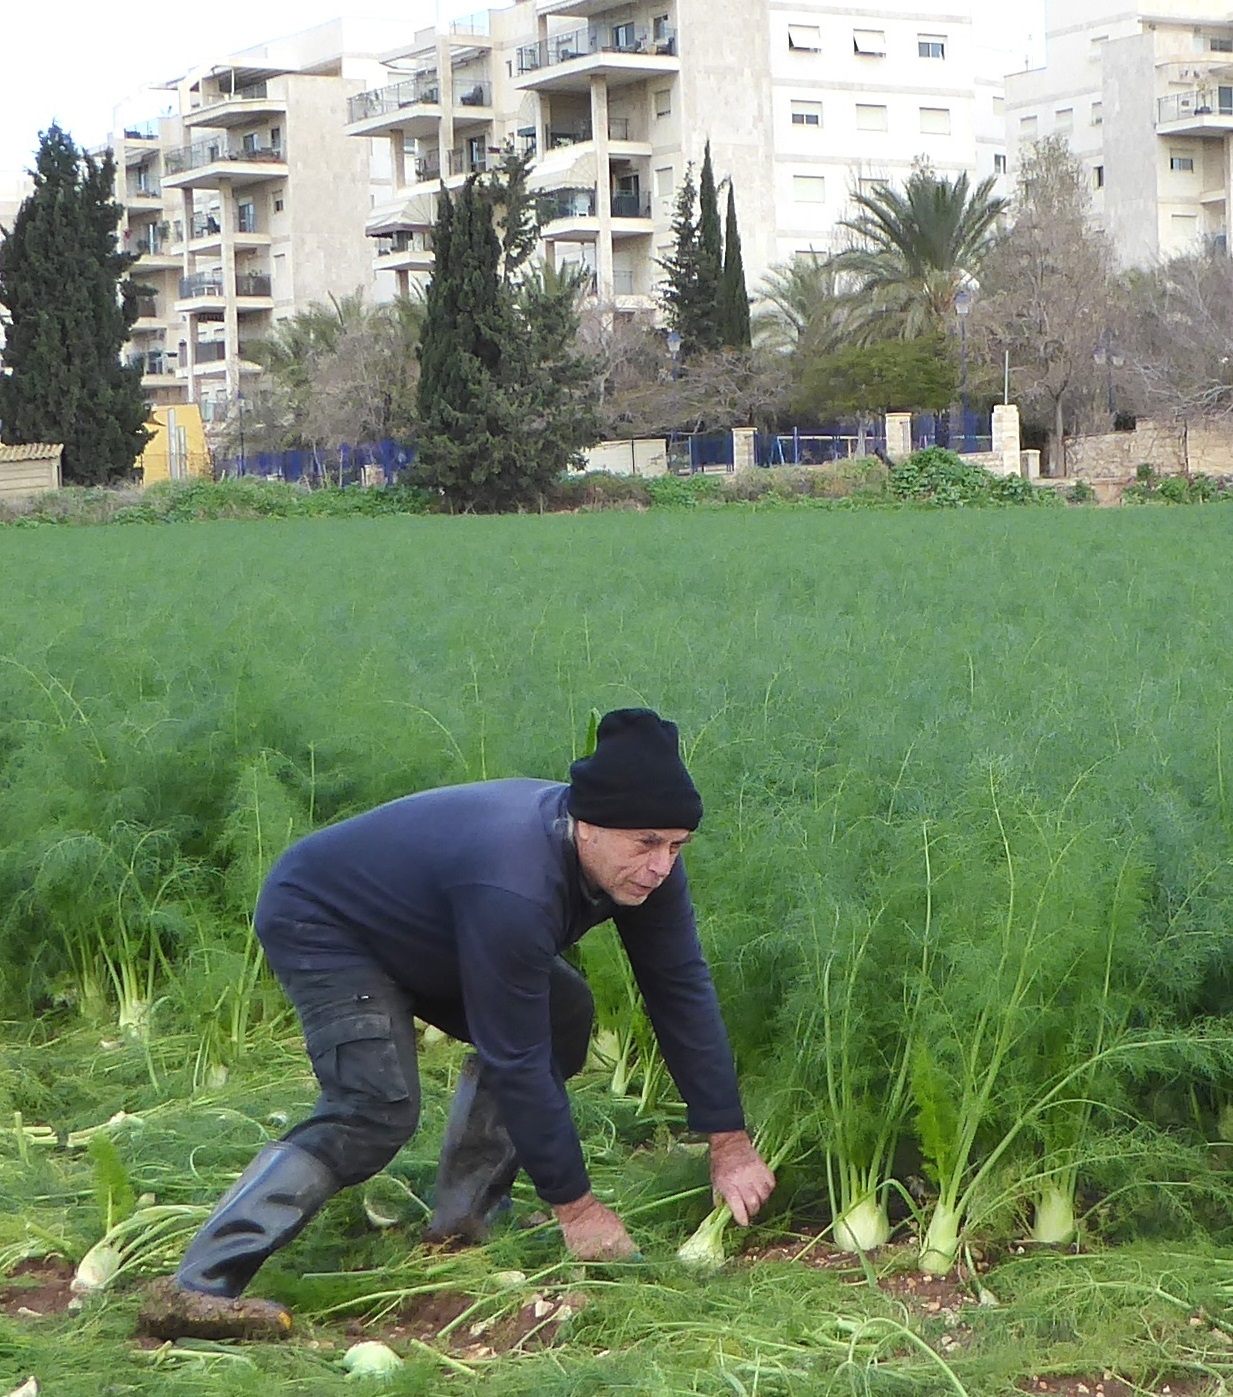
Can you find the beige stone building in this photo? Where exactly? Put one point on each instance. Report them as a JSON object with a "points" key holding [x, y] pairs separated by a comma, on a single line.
{"points": [[247, 204], [1143, 93], [801, 103]]}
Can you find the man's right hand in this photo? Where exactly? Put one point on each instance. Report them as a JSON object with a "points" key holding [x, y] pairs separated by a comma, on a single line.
{"points": [[593, 1232]]}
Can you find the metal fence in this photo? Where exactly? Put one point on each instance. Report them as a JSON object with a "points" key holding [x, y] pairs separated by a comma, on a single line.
{"points": [[320, 466], [817, 447]]}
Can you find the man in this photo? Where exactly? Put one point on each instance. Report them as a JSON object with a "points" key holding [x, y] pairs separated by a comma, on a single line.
{"points": [[454, 906]]}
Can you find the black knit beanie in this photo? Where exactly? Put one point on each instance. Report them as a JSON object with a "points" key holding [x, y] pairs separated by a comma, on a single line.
{"points": [[635, 778]]}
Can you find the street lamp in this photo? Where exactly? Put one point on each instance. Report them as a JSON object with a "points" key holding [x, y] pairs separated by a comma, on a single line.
{"points": [[674, 348], [1106, 356], [963, 304]]}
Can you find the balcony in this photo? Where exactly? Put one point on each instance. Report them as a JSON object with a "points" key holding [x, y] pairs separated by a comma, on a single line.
{"points": [[207, 234], [153, 249], [207, 291], [243, 106], [567, 215], [204, 164], [147, 314], [1200, 112], [404, 251], [158, 364], [413, 107], [144, 194], [623, 53], [626, 204]]}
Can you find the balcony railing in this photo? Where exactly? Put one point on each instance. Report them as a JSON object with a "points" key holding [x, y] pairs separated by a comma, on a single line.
{"points": [[627, 205], [618, 128], [155, 241], [148, 188], [1180, 106], [156, 362], [203, 284], [143, 131], [206, 225], [565, 203], [215, 351], [211, 284], [147, 308], [622, 281], [420, 91], [569, 135], [428, 167], [253, 91], [618, 38], [473, 162], [203, 153], [476, 23], [392, 244]]}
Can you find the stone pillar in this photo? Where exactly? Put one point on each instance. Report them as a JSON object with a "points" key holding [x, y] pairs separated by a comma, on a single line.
{"points": [[231, 317], [898, 435], [744, 456], [1006, 441]]}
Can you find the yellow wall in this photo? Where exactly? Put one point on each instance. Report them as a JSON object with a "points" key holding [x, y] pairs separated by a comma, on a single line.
{"points": [[178, 449]]}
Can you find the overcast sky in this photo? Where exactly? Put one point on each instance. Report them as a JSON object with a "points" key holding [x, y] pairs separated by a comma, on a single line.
{"points": [[76, 62]]}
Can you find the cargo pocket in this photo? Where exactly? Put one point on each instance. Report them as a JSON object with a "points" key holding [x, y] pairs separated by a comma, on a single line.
{"points": [[356, 1059]]}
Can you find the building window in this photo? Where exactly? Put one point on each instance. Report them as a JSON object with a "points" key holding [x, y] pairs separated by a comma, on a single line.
{"points": [[1181, 162], [659, 28], [1064, 119], [870, 187], [1027, 128], [664, 182], [246, 217], [869, 42], [999, 164], [623, 37], [931, 45], [935, 121], [1095, 50], [870, 118], [250, 142], [1098, 176], [663, 102], [276, 137], [806, 113], [805, 38], [809, 189], [1220, 44], [1098, 113], [1185, 227]]}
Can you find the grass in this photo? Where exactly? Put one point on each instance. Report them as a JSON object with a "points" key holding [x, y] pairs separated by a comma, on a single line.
{"points": [[179, 702]]}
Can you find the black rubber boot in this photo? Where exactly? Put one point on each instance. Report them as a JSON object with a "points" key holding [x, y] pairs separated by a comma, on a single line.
{"points": [[478, 1164], [268, 1205]]}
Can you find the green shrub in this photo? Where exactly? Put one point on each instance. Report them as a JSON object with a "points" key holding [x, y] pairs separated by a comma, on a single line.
{"points": [[940, 477], [1081, 493], [684, 491]]}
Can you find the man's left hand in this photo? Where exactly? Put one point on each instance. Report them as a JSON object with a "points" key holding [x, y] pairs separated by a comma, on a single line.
{"points": [[739, 1175]]}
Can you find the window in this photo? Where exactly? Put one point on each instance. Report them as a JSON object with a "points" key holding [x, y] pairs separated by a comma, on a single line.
{"points": [[935, 121], [1098, 176], [246, 217], [869, 118], [806, 113], [1064, 119], [1095, 50], [276, 137], [1185, 227], [870, 186], [999, 164], [809, 189], [623, 37], [1220, 44], [278, 202], [1027, 128], [250, 142], [1181, 162], [806, 38], [663, 102], [664, 182], [931, 45], [659, 28], [1098, 113], [869, 42]]}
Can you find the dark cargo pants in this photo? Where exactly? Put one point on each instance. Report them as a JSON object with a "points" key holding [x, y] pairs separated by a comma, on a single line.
{"points": [[360, 1034]]}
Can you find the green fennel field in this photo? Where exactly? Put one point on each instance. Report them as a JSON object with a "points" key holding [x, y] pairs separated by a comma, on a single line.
{"points": [[965, 878]]}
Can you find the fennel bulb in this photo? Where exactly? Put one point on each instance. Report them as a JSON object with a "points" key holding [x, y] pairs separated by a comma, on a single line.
{"points": [[941, 1243], [1054, 1222], [96, 1269], [863, 1226], [705, 1248], [371, 1359]]}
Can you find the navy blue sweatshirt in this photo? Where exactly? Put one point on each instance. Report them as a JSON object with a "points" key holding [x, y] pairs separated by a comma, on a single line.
{"points": [[469, 893]]}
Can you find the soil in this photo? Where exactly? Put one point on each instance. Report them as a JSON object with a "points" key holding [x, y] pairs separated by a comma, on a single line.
{"points": [[38, 1288], [534, 1325]]}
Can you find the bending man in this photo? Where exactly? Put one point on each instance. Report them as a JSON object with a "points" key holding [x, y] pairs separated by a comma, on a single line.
{"points": [[455, 906]]}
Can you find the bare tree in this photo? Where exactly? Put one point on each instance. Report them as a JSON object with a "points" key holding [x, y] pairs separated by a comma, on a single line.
{"points": [[1177, 340], [1047, 296]]}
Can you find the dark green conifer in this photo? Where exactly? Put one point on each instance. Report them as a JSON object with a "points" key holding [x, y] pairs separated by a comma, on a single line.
{"points": [[68, 309], [733, 298]]}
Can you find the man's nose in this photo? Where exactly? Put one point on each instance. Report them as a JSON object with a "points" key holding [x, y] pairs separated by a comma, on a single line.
{"points": [[661, 862]]}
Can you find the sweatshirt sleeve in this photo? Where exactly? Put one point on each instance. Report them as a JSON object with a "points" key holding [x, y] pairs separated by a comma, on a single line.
{"points": [[505, 953], [661, 940]]}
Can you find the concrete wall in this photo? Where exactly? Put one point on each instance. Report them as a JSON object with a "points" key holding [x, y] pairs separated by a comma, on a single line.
{"points": [[177, 451], [1170, 448], [641, 456]]}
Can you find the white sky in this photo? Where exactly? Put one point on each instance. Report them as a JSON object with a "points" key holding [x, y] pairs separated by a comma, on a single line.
{"points": [[75, 62]]}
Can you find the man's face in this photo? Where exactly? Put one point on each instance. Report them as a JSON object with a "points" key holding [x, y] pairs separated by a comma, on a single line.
{"points": [[627, 864]]}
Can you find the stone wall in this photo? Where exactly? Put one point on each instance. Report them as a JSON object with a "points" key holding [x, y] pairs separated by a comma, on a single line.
{"points": [[1170, 448]]}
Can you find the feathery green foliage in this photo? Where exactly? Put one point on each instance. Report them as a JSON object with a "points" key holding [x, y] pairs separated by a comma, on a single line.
{"points": [[734, 327]]}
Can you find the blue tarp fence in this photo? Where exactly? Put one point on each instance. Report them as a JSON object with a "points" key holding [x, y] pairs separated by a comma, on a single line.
{"points": [[316, 466]]}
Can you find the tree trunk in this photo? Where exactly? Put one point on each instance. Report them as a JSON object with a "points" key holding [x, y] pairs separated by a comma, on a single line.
{"points": [[1058, 456]]}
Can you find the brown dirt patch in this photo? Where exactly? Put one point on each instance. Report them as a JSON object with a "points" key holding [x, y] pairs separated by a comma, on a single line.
{"points": [[37, 1288], [535, 1324]]}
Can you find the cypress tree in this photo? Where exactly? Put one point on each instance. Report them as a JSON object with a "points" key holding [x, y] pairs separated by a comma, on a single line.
{"points": [[733, 297], [708, 330], [679, 291], [68, 310], [505, 403]]}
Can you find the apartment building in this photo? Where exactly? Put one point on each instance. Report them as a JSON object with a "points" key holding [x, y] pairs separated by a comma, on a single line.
{"points": [[802, 104], [1143, 93], [247, 204]]}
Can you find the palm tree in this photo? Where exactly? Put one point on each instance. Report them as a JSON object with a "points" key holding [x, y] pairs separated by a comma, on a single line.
{"points": [[912, 251], [799, 306]]}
